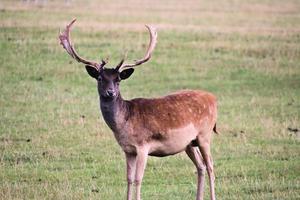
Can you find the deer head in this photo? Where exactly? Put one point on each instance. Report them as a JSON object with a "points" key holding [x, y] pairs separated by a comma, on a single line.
{"points": [[108, 78]]}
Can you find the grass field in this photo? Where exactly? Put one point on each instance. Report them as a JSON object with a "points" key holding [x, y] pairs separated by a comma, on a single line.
{"points": [[54, 143]]}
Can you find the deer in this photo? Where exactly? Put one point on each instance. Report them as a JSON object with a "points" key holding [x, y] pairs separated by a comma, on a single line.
{"points": [[163, 126]]}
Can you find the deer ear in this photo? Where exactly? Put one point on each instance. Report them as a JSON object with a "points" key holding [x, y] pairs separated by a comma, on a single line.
{"points": [[93, 72], [126, 73]]}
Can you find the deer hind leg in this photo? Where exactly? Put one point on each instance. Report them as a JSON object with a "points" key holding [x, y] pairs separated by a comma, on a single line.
{"points": [[204, 146], [195, 155]]}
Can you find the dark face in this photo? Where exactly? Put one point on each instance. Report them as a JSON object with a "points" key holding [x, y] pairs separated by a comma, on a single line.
{"points": [[108, 81]]}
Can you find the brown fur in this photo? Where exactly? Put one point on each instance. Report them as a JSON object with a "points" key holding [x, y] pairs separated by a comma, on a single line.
{"points": [[174, 111], [152, 119]]}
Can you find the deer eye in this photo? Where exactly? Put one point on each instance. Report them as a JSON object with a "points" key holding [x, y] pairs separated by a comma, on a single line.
{"points": [[99, 78], [117, 80]]}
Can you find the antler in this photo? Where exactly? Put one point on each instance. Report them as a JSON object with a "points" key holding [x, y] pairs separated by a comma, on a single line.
{"points": [[152, 43], [65, 41]]}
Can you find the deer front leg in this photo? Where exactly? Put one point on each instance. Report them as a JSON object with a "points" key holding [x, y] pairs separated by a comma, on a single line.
{"points": [[131, 163], [141, 161]]}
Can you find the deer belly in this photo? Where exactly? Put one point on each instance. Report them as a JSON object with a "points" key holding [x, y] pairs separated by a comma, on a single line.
{"points": [[174, 141]]}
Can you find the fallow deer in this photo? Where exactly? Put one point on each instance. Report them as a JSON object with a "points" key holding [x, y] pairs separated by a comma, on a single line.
{"points": [[182, 121]]}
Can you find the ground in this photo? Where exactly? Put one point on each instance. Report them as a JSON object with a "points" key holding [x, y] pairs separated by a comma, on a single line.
{"points": [[54, 143]]}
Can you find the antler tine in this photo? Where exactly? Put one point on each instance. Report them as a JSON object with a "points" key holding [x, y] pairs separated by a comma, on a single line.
{"points": [[65, 41], [120, 64], [122, 61], [152, 44]]}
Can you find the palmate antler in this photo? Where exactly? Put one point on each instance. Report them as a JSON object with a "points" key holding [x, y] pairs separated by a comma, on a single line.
{"points": [[153, 39], [65, 41]]}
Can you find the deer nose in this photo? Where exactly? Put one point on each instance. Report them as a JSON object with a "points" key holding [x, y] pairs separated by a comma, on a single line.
{"points": [[111, 93]]}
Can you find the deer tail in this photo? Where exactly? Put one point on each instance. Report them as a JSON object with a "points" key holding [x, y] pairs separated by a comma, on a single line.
{"points": [[215, 129]]}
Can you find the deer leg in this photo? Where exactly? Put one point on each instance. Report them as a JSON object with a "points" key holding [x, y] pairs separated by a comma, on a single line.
{"points": [[195, 155], [130, 162], [205, 151], [141, 161]]}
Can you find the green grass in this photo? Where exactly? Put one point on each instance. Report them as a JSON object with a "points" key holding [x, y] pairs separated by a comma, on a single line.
{"points": [[54, 143]]}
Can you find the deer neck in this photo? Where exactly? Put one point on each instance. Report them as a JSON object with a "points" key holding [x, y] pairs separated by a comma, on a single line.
{"points": [[114, 112]]}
